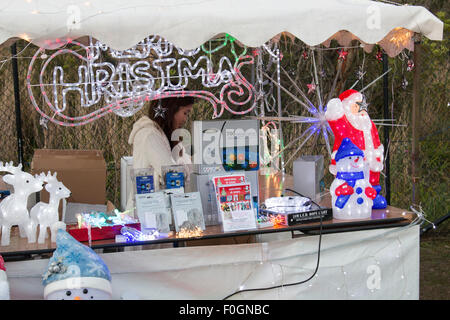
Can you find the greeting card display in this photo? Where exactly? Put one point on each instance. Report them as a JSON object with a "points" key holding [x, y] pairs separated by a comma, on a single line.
{"points": [[236, 207], [187, 211], [223, 180]]}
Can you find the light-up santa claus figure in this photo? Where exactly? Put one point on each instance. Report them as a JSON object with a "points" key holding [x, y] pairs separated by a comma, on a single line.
{"points": [[351, 193], [348, 118]]}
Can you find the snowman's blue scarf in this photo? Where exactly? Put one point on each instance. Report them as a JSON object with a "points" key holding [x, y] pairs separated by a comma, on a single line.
{"points": [[350, 178]]}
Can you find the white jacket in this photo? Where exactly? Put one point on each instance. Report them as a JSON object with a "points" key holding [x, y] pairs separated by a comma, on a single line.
{"points": [[151, 148]]}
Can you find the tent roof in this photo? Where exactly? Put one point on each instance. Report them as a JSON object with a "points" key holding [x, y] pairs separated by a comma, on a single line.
{"points": [[190, 23]]}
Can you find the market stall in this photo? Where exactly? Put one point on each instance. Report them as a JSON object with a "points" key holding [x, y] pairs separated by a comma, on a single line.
{"points": [[367, 249]]}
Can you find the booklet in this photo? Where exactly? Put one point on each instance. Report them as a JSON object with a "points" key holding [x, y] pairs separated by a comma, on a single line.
{"points": [[221, 180], [228, 179], [187, 211], [235, 206], [153, 212]]}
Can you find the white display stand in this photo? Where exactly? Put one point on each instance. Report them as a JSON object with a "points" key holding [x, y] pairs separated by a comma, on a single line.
{"points": [[371, 264]]}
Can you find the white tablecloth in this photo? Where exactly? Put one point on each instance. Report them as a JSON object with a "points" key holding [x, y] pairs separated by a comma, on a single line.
{"points": [[374, 264]]}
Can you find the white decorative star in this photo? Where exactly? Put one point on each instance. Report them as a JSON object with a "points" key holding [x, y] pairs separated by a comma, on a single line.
{"points": [[404, 83], [160, 111], [363, 105], [43, 122], [360, 73]]}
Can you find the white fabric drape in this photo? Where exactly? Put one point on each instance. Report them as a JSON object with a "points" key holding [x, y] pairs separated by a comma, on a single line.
{"points": [[189, 24], [374, 264]]}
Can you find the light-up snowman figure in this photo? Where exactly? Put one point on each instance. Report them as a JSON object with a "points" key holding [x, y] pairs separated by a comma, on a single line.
{"points": [[76, 272], [79, 294], [351, 192]]}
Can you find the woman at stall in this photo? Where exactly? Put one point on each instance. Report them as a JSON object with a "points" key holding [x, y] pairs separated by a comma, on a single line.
{"points": [[151, 136]]}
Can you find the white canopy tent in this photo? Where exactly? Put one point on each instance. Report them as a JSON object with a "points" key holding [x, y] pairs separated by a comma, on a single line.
{"points": [[190, 23]]}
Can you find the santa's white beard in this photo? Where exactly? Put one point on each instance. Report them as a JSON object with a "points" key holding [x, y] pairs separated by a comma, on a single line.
{"points": [[360, 122], [371, 153]]}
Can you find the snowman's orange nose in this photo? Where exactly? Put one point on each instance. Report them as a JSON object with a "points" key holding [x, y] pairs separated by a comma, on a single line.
{"points": [[77, 298]]}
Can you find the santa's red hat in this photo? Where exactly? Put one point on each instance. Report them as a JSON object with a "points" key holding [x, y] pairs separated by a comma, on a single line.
{"points": [[347, 93]]}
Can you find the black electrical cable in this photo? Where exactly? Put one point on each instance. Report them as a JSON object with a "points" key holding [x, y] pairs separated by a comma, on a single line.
{"points": [[434, 224], [294, 283]]}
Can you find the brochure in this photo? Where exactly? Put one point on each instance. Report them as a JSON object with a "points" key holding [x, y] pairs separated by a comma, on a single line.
{"points": [[221, 180], [228, 179], [236, 207]]}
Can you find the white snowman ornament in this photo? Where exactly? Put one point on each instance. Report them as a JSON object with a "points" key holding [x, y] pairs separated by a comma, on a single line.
{"points": [[351, 192], [76, 272]]}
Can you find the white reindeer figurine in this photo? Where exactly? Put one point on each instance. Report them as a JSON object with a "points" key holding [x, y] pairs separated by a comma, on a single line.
{"points": [[46, 214], [13, 209]]}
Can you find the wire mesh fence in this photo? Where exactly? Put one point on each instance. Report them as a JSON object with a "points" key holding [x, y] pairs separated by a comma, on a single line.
{"points": [[9, 149]]}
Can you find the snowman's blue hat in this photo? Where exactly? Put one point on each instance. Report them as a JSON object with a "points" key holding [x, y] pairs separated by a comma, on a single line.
{"points": [[348, 149], [75, 266]]}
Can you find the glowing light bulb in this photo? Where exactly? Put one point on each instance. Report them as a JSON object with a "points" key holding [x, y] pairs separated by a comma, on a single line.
{"points": [[25, 36]]}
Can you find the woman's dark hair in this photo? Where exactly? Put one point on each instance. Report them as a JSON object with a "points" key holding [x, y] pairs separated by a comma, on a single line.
{"points": [[172, 105]]}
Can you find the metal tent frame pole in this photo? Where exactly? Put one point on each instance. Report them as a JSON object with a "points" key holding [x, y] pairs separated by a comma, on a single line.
{"points": [[415, 125], [15, 74], [386, 128]]}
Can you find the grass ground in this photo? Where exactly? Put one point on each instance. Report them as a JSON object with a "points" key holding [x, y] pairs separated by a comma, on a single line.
{"points": [[434, 264]]}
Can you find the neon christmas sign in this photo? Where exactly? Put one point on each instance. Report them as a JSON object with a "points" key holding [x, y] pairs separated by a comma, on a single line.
{"points": [[148, 71]]}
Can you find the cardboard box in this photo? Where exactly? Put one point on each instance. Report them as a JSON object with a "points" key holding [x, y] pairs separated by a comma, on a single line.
{"points": [[83, 172], [309, 176]]}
